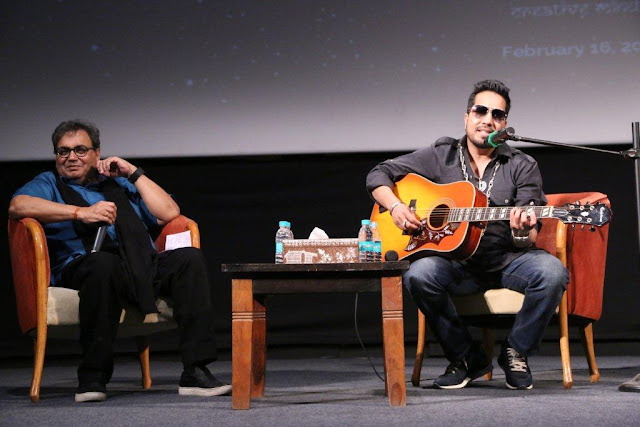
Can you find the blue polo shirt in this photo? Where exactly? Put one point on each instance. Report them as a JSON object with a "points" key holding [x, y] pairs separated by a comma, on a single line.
{"points": [[62, 240]]}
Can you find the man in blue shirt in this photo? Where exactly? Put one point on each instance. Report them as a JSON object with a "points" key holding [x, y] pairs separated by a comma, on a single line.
{"points": [[72, 203]]}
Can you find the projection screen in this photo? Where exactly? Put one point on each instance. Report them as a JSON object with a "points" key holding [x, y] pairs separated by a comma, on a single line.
{"points": [[198, 78]]}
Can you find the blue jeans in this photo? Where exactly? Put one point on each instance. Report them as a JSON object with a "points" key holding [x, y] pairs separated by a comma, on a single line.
{"points": [[538, 275]]}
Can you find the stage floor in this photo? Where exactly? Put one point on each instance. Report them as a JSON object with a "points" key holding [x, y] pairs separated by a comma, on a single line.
{"points": [[324, 386]]}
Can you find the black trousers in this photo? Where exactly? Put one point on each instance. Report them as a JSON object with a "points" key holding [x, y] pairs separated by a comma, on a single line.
{"points": [[180, 274]]}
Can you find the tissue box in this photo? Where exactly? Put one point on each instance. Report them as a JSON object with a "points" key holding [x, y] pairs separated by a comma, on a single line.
{"points": [[319, 251]]}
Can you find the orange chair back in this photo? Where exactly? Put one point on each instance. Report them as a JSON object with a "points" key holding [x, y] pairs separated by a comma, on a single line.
{"points": [[28, 248], [586, 256]]}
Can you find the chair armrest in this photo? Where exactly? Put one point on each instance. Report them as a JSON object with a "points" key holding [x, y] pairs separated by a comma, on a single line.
{"points": [[31, 271], [178, 225]]}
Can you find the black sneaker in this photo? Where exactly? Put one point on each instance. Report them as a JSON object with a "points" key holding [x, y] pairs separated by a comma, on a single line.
{"points": [[516, 369], [91, 392], [460, 372], [198, 381]]}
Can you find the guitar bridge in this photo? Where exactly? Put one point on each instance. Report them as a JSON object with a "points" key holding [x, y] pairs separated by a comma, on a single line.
{"points": [[426, 235]]}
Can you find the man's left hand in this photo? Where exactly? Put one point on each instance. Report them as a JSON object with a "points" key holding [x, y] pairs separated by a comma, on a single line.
{"points": [[115, 167], [522, 220]]}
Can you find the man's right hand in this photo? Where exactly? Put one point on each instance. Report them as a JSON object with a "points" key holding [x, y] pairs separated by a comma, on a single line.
{"points": [[99, 212], [404, 218]]}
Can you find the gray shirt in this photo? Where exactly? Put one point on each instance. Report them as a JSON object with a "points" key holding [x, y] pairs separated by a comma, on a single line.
{"points": [[517, 183]]}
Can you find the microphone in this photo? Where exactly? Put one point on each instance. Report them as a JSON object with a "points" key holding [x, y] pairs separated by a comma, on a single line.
{"points": [[97, 244], [499, 137], [391, 255]]}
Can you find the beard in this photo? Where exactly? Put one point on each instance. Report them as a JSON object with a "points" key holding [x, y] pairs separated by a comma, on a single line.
{"points": [[479, 144]]}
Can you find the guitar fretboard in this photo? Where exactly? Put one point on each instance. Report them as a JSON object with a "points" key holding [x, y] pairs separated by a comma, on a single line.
{"points": [[495, 213]]}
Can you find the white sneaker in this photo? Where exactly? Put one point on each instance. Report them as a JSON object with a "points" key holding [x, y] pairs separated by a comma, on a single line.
{"points": [[92, 392]]}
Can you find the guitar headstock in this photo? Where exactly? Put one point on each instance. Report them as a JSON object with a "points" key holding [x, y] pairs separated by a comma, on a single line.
{"points": [[593, 215]]}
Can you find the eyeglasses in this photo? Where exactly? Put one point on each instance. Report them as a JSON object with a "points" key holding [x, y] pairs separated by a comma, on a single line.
{"points": [[479, 111], [80, 151]]}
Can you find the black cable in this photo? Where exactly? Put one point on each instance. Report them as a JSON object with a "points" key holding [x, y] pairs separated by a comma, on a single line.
{"points": [[355, 321]]}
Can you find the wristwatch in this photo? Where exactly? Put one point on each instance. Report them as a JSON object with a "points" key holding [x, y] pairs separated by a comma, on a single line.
{"points": [[135, 175], [519, 238]]}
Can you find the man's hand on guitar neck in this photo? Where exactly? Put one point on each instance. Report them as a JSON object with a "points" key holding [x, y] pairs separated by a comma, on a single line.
{"points": [[522, 222]]}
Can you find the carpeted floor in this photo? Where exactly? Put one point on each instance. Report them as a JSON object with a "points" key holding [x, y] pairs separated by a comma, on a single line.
{"points": [[321, 386]]}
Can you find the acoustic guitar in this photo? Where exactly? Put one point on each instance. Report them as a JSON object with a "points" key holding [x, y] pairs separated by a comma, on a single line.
{"points": [[454, 217]]}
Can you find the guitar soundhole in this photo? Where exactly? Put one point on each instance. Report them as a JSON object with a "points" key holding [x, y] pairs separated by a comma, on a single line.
{"points": [[438, 217]]}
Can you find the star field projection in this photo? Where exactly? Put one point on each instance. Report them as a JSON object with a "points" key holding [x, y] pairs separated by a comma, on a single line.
{"points": [[262, 48], [222, 47], [310, 75]]}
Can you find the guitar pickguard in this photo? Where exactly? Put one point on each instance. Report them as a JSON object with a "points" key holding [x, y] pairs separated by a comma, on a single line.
{"points": [[426, 235]]}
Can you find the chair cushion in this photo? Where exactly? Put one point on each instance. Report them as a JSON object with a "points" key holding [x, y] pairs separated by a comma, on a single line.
{"points": [[493, 301], [63, 318]]}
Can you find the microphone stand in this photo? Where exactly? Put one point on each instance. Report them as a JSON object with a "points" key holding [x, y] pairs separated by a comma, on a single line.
{"points": [[632, 153], [633, 385]]}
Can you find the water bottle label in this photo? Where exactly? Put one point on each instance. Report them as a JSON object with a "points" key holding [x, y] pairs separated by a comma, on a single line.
{"points": [[365, 246], [377, 246], [279, 247]]}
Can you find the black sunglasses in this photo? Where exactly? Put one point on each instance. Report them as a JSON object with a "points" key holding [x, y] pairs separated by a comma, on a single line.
{"points": [[479, 111], [80, 151]]}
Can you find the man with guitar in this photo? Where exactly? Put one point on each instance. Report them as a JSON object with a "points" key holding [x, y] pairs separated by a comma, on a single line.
{"points": [[458, 257]]}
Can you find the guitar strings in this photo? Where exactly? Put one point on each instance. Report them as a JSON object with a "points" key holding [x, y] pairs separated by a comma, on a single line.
{"points": [[443, 213], [457, 209], [487, 209]]}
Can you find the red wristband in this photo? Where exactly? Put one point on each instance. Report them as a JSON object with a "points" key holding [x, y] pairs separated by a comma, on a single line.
{"points": [[75, 214]]}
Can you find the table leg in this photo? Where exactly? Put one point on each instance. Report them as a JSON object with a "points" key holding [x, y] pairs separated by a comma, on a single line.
{"points": [[259, 348], [384, 373], [393, 340], [241, 343]]}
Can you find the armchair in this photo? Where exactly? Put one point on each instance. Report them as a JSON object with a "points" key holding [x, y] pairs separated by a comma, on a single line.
{"points": [[52, 312], [583, 253]]}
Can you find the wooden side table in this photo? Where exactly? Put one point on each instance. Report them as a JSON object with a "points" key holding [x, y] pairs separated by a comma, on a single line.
{"points": [[252, 282]]}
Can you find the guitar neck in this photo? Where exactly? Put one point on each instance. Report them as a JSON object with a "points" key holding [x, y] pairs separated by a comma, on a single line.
{"points": [[495, 213]]}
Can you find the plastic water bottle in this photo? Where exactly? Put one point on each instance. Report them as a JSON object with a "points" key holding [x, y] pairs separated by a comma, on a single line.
{"points": [[365, 242], [284, 232], [377, 243]]}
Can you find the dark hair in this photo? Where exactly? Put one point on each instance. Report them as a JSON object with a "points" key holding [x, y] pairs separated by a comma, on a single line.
{"points": [[492, 85], [74, 126]]}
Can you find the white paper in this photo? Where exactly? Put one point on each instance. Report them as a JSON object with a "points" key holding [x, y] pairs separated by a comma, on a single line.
{"points": [[178, 240], [318, 233]]}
